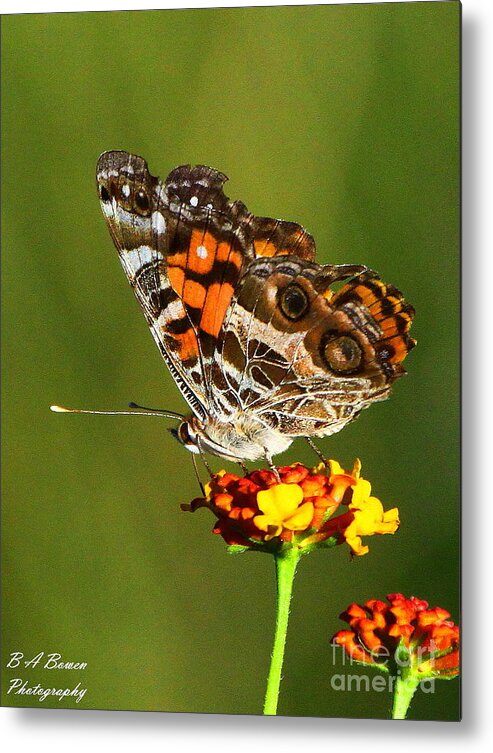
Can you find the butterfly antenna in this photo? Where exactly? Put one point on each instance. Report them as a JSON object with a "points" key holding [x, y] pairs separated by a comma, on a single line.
{"points": [[143, 412], [169, 413], [268, 460]]}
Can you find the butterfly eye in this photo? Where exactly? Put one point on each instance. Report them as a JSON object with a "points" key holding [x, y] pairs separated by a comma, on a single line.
{"points": [[142, 201], [293, 302], [342, 354], [105, 197]]}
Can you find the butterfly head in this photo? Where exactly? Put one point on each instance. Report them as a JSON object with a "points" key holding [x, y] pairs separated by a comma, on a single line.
{"points": [[187, 433], [199, 437]]}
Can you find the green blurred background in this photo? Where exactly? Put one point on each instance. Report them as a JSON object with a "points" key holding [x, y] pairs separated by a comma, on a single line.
{"points": [[342, 118]]}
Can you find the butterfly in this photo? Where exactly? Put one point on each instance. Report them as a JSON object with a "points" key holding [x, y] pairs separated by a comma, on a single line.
{"points": [[261, 344]]}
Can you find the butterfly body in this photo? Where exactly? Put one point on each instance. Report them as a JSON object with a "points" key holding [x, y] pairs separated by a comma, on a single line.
{"points": [[261, 345], [243, 437]]}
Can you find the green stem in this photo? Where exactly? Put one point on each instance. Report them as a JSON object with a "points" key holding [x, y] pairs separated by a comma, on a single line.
{"points": [[405, 687], [285, 569]]}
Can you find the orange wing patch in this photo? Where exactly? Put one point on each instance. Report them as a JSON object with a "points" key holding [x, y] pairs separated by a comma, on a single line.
{"points": [[186, 345], [176, 276], [278, 238], [266, 248], [199, 259], [216, 304], [389, 310], [401, 345], [183, 343], [194, 294], [204, 277]]}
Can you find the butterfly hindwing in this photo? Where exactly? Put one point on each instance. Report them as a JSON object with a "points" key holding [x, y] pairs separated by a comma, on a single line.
{"points": [[304, 357]]}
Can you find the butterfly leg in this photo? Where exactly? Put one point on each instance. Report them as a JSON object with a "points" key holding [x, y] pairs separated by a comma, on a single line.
{"points": [[243, 467], [197, 476], [268, 460], [317, 451], [202, 455]]}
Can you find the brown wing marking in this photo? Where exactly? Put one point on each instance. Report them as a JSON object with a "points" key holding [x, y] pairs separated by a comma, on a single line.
{"points": [[279, 238]]}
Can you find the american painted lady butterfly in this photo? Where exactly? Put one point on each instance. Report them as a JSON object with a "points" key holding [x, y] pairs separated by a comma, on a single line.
{"points": [[262, 347]]}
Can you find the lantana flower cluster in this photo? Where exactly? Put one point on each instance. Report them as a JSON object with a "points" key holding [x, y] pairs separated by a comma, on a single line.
{"points": [[302, 507], [404, 630]]}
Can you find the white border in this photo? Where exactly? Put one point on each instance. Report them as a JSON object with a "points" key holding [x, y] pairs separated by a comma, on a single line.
{"points": [[55, 6], [47, 730]]}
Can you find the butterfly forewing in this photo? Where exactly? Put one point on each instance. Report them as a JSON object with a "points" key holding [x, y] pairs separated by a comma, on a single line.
{"points": [[135, 207]]}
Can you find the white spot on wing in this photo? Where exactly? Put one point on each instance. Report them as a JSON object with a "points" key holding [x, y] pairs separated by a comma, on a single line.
{"points": [[126, 190], [194, 201], [137, 257], [158, 222], [173, 311], [202, 252]]}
